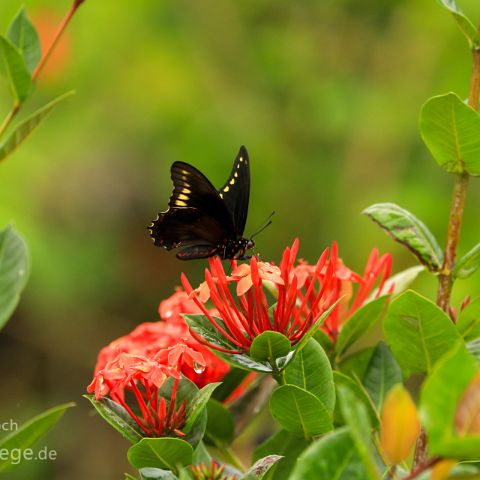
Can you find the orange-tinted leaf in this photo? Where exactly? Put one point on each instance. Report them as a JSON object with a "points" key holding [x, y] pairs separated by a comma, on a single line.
{"points": [[399, 424], [467, 415], [441, 470]]}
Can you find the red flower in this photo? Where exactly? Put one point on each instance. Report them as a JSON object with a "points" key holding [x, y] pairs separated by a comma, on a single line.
{"points": [[248, 316], [214, 471], [150, 337], [143, 377], [352, 289]]}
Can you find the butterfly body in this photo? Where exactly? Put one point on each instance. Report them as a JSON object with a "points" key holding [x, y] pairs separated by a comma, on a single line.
{"points": [[203, 220]]}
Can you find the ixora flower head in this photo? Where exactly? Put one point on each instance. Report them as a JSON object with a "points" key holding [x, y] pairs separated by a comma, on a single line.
{"points": [[244, 312], [349, 288], [134, 382]]}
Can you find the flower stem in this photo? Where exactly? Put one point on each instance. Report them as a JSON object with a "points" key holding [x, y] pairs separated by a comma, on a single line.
{"points": [[446, 279], [10, 116]]}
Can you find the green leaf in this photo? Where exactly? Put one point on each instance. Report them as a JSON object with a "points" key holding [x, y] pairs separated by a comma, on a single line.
{"points": [[260, 468], [356, 364], [23, 129], [382, 374], [289, 446], [29, 433], [468, 264], [359, 323], [201, 325], [418, 332], [14, 267], [156, 474], [116, 416], [438, 403], [334, 456], [468, 322], [299, 411], [24, 36], [357, 388], [408, 230], [398, 283], [356, 417], [230, 382], [311, 371], [465, 25], [197, 404], [220, 424], [164, 453], [269, 346], [15, 69], [451, 131]]}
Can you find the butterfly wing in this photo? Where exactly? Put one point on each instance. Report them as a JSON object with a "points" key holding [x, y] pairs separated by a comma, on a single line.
{"points": [[192, 189], [186, 227], [236, 191]]}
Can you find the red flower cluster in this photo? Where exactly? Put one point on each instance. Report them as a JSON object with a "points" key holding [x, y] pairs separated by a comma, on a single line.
{"points": [[150, 337], [143, 376], [214, 471], [352, 289], [249, 315], [304, 293]]}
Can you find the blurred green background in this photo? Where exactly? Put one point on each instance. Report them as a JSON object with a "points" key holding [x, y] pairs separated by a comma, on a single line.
{"points": [[324, 94]]}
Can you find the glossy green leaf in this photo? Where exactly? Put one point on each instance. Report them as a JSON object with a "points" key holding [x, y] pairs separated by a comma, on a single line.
{"points": [[334, 456], [260, 468], [15, 69], [359, 324], [418, 332], [465, 25], [14, 267], [289, 446], [468, 264], [269, 346], [451, 131], [311, 371], [220, 424], [23, 129], [468, 321], [299, 411], [382, 374], [360, 392], [408, 230], [164, 453], [116, 416], [29, 433], [197, 404], [24, 36], [438, 403], [356, 417]]}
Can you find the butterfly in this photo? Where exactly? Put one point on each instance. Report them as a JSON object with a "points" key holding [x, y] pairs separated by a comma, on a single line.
{"points": [[202, 220]]}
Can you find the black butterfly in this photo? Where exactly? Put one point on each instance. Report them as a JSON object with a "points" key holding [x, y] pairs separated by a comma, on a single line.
{"points": [[205, 221]]}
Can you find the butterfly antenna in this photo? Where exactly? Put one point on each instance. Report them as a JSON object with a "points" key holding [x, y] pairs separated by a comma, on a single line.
{"points": [[261, 229]]}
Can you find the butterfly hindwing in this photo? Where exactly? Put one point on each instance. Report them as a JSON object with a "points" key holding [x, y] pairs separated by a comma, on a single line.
{"points": [[236, 191]]}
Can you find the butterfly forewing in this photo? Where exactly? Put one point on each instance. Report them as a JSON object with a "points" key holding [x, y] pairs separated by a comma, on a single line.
{"points": [[236, 191]]}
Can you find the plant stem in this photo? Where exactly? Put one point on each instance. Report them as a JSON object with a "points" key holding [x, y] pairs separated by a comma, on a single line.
{"points": [[58, 34], [10, 116], [231, 457], [446, 279], [56, 38]]}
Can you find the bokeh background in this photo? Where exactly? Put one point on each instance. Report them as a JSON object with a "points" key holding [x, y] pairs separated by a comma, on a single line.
{"points": [[324, 94]]}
